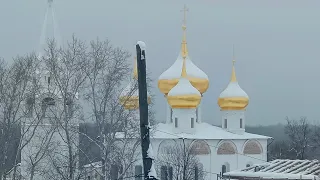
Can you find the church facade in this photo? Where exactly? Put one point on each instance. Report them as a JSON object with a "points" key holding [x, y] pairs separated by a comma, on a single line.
{"points": [[218, 149]]}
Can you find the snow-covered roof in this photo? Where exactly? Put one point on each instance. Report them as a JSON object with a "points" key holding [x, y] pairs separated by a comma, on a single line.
{"points": [[280, 169], [97, 164], [131, 90], [233, 90], [174, 72], [184, 87], [204, 131]]}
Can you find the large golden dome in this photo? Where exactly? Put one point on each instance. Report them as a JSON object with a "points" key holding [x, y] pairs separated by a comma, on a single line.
{"points": [[129, 97], [233, 97], [171, 76], [184, 95]]}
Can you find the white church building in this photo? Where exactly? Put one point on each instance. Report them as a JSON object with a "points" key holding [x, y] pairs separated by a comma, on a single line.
{"points": [[219, 148]]}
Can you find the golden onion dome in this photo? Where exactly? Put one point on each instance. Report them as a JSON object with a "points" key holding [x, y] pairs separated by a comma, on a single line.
{"points": [[184, 95], [171, 76], [129, 97], [233, 97]]}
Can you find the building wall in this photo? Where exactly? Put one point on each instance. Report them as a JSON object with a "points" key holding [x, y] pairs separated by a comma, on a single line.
{"points": [[213, 162], [42, 148]]}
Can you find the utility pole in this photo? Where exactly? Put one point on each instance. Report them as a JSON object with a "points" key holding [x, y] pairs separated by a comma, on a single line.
{"points": [[147, 152]]}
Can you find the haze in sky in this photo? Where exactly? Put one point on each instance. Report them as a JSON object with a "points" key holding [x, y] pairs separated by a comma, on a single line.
{"points": [[276, 45]]}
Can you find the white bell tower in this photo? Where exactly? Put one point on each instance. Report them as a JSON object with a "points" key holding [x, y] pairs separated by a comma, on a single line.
{"points": [[45, 137]]}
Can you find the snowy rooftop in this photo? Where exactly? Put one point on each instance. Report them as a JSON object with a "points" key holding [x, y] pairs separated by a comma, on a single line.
{"points": [[97, 164], [233, 90], [175, 70], [204, 131], [280, 169], [184, 87]]}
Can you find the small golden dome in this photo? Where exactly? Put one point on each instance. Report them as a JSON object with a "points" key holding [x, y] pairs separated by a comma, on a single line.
{"points": [[171, 76], [184, 95], [233, 97], [129, 97]]}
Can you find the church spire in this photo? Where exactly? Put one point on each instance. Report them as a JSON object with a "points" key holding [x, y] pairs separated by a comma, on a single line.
{"points": [[44, 36], [233, 74], [184, 49]]}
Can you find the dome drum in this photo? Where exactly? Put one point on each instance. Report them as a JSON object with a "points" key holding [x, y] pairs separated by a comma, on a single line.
{"points": [[184, 101], [165, 85], [131, 102], [233, 103]]}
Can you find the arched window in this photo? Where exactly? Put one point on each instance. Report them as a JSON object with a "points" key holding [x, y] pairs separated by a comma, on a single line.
{"points": [[46, 104], [226, 148], [200, 147], [252, 147], [166, 147]]}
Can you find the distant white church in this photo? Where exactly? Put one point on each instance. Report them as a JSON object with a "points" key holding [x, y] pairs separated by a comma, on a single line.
{"points": [[219, 149]]}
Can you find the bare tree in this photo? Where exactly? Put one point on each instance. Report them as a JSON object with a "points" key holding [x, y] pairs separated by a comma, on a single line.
{"points": [[300, 137], [106, 70], [316, 140], [179, 161], [14, 88], [280, 150], [65, 66]]}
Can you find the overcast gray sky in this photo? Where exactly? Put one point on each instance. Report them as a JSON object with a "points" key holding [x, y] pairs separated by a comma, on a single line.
{"points": [[277, 45]]}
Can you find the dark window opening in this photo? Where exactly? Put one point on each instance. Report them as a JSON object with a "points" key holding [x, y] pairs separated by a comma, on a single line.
{"points": [[46, 102], [114, 172], [240, 122], [176, 122], [192, 122], [197, 115], [223, 169], [225, 123], [29, 107], [138, 172], [164, 173], [196, 173]]}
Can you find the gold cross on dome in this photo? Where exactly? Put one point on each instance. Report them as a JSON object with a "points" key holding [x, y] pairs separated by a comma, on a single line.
{"points": [[184, 10]]}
